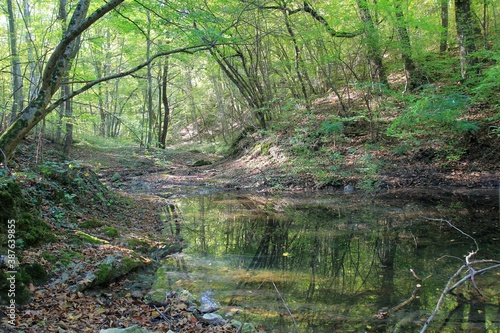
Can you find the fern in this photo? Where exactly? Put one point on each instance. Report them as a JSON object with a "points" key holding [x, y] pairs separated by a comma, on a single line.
{"points": [[433, 114]]}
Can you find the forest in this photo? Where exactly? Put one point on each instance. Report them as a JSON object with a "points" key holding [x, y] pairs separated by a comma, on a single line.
{"points": [[207, 71], [109, 109]]}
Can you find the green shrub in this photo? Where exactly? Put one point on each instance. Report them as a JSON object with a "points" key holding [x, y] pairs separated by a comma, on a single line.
{"points": [[488, 89], [434, 114]]}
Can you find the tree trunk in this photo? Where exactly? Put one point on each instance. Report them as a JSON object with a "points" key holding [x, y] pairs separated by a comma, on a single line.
{"points": [[466, 37], [150, 111], [414, 77], [298, 59], [166, 107], [191, 103], [57, 66], [33, 76], [17, 92], [443, 42], [377, 71], [66, 109]]}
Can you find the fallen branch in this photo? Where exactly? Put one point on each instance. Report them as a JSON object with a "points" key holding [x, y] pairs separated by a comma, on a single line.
{"points": [[385, 314], [468, 266], [162, 314]]}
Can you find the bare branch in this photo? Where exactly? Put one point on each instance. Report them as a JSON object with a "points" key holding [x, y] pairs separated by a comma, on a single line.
{"points": [[454, 227], [472, 272]]}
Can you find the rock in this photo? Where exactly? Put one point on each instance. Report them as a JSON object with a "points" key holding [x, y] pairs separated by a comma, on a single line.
{"points": [[213, 319], [186, 297], [131, 329], [207, 304], [108, 270], [165, 249], [348, 189]]}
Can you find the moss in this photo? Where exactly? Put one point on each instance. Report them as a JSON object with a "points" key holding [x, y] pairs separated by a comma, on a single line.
{"points": [[92, 223], [104, 274], [265, 147], [89, 238], [139, 245], [33, 230], [30, 230], [22, 294], [130, 264], [110, 232]]}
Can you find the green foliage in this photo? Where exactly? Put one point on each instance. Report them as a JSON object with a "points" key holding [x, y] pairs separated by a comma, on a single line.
{"points": [[332, 127], [22, 295], [433, 114], [488, 90]]}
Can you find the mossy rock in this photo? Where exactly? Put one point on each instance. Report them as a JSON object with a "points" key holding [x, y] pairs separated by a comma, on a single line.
{"points": [[30, 230], [139, 245], [166, 249], [110, 232], [112, 268]]}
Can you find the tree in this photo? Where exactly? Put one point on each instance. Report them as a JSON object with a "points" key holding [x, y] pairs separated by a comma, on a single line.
{"points": [[163, 130], [443, 40], [66, 108], [414, 77], [17, 92], [466, 36], [56, 68], [377, 70]]}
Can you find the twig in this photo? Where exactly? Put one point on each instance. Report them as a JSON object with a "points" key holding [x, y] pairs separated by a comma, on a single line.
{"points": [[465, 278], [383, 315], [415, 275], [162, 314], [456, 228]]}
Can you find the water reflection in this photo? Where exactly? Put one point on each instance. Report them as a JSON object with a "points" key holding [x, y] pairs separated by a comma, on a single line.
{"points": [[333, 263]]}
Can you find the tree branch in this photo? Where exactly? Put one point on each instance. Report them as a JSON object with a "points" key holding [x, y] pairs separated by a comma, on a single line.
{"points": [[317, 17], [469, 265], [190, 50]]}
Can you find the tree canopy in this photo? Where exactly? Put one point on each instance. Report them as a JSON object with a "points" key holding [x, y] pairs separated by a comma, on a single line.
{"points": [[154, 71]]}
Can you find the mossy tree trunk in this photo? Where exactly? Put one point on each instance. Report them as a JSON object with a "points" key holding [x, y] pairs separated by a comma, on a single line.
{"points": [[56, 68], [466, 37]]}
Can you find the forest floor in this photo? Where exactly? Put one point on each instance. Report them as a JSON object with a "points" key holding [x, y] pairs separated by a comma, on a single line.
{"points": [[147, 180]]}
